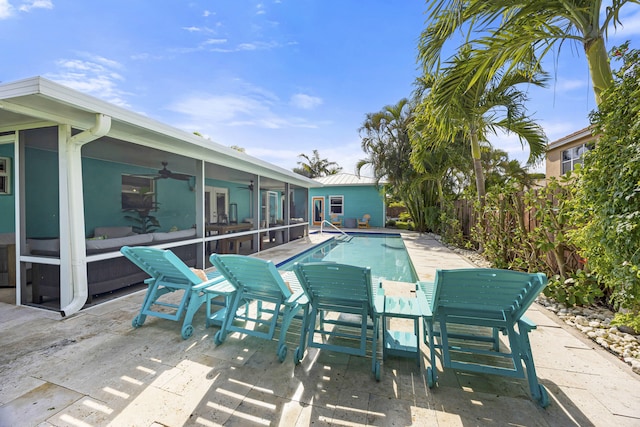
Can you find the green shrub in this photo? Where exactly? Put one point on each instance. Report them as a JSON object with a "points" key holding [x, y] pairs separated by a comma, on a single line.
{"points": [[582, 288], [405, 225], [404, 217], [627, 319], [608, 197], [450, 230]]}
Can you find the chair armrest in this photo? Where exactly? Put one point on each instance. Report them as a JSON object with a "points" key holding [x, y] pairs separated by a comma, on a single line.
{"points": [[297, 297], [212, 281], [423, 304], [526, 324], [222, 287], [378, 300]]}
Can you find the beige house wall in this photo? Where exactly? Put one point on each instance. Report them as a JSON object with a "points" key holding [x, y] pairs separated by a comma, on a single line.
{"points": [[554, 151]]}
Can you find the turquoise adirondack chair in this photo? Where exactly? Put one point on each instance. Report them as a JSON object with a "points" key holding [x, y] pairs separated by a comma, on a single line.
{"points": [[345, 290], [258, 280], [169, 274], [464, 302]]}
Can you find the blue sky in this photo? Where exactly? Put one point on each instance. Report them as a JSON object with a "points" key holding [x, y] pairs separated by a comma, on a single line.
{"points": [[278, 78]]}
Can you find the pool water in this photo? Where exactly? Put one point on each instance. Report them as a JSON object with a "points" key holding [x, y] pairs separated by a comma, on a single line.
{"points": [[385, 254]]}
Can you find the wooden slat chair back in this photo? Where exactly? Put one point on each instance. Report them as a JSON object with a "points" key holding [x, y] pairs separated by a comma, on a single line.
{"points": [[483, 298], [343, 290], [259, 280], [364, 222], [168, 274]]}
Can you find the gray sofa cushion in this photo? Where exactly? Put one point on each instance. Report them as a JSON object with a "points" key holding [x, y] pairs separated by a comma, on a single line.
{"points": [[47, 246], [173, 235], [117, 243], [113, 232]]}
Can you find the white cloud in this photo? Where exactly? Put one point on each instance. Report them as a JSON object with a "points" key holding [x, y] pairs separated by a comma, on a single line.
{"points": [[557, 130], [36, 4], [195, 29], [570, 84], [236, 110], [6, 10], [94, 75], [221, 109], [510, 143], [215, 41], [242, 106], [306, 102]]}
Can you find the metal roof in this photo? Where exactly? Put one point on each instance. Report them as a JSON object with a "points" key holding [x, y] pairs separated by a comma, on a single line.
{"points": [[345, 179]]}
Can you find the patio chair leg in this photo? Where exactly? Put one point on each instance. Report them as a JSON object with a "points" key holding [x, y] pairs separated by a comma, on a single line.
{"points": [[375, 363], [538, 392], [432, 376], [221, 335], [196, 300], [288, 315], [299, 353]]}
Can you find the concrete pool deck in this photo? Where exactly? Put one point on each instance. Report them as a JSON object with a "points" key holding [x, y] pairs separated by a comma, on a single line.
{"points": [[94, 369]]}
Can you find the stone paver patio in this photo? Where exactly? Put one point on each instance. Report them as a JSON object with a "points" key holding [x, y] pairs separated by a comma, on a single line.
{"points": [[94, 369]]}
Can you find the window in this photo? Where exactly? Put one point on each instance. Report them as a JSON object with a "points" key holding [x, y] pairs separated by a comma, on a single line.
{"points": [[336, 205], [138, 192], [5, 175], [573, 157]]}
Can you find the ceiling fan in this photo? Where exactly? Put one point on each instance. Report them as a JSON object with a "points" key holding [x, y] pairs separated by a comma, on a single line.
{"points": [[248, 187], [165, 173]]}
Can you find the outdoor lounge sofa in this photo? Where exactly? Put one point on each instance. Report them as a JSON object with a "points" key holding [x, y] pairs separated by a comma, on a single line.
{"points": [[104, 275]]}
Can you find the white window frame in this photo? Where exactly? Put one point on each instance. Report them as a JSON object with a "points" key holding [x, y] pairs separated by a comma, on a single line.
{"points": [[5, 175], [340, 205], [136, 190], [574, 155]]}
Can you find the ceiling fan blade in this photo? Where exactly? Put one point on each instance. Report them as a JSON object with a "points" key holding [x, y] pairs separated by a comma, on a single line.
{"points": [[180, 176]]}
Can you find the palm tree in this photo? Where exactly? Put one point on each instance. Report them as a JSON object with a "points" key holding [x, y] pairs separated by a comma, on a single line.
{"points": [[509, 29], [477, 104], [500, 170], [385, 138], [443, 164], [386, 141], [316, 167]]}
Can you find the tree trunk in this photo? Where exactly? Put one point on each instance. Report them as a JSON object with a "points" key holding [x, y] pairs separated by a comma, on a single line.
{"points": [[599, 67], [477, 167]]}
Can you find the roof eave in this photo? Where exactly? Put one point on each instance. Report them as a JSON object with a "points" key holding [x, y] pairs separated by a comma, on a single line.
{"points": [[87, 106]]}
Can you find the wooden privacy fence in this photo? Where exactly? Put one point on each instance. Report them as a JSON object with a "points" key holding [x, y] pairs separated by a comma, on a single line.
{"points": [[507, 222]]}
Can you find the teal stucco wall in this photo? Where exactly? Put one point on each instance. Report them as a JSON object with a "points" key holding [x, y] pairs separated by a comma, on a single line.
{"points": [[102, 191], [102, 195], [7, 201], [358, 200]]}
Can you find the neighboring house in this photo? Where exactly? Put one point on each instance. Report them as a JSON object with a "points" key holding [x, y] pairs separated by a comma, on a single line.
{"points": [[348, 197], [80, 177], [565, 153]]}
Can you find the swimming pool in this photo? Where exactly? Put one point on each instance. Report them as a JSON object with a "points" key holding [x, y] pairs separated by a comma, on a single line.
{"points": [[385, 254]]}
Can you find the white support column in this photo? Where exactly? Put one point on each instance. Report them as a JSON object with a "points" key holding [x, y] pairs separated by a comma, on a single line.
{"points": [[200, 210], [65, 179]]}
